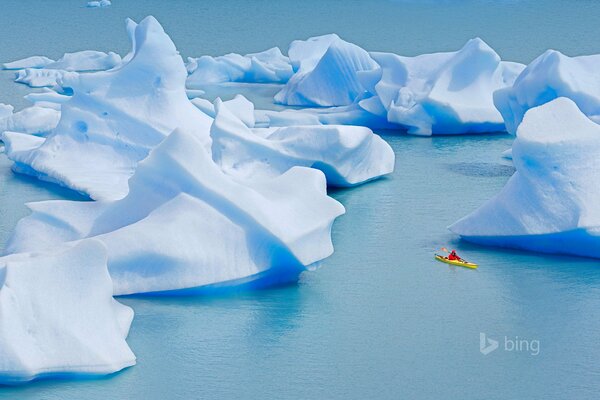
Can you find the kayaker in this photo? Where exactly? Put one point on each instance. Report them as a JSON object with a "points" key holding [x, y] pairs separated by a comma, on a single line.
{"points": [[454, 256]]}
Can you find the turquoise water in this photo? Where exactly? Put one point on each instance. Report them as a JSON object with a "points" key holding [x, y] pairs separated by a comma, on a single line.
{"points": [[380, 319]]}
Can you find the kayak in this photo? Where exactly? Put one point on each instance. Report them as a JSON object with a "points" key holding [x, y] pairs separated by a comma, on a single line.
{"points": [[460, 263]]}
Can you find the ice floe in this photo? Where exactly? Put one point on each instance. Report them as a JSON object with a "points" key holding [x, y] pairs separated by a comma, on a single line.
{"points": [[549, 76], [185, 224], [269, 66], [113, 119], [551, 203], [29, 62], [348, 155], [327, 70], [58, 317], [441, 93], [98, 3]]}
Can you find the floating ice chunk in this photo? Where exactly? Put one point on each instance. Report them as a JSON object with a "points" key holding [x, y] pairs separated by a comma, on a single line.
{"points": [[36, 120], [267, 66], [549, 76], [29, 62], [348, 155], [37, 78], [86, 60], [59, 317], [98, 3], [442, 93], [551, 203], [6, 110], [115, 118], [327, 72], [185, 224]]}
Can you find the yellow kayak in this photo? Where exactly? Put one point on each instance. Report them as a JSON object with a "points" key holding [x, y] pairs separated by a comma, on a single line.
{"points": [[460, 263]]}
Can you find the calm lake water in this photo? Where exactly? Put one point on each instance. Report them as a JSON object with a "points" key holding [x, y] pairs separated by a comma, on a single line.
{"points": [[381, 319]]}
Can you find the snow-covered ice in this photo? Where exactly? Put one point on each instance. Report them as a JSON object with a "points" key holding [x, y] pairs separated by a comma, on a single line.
{"points": [[114, 118], [35, 120], [86, 60], [551, 203], [185, 224], [269, 66], [326, 72], [29, 62], [58, 316], [348, 155], [98, 3], [440, 93], [38, 78], [549, 76]]}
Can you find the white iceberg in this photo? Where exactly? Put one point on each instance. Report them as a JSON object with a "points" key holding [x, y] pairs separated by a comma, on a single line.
{"points": [[441, 93], [347, 155], [36, 120], [40, 78], [98, 3], [269, 66], [113, 119], [85, 61], [58, 317], [29, 62], [327, 70], [549, 76], [185, 224], [551, 203]]}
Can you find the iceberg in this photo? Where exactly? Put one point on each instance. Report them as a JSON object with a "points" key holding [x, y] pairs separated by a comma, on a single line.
{"points": [[347, 155], [440, 93], [29, 62], [85, 61], [58, 317], [550, 204], [40, 78], [327, 72], [114, 119], [186, 225], [98, 3], [269, 66], [548, 77], [36, 120]]}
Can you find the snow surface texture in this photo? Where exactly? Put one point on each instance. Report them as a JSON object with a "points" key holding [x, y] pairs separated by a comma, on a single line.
{"points": [[551, 203], [327, 69], [348, 155], [58, 316], [441, 93], [549, 76], [269, 66], [113, 119], [185, 224]]}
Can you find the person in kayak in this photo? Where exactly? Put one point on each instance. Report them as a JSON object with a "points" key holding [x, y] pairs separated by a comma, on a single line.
{"points": [[453, 256]]}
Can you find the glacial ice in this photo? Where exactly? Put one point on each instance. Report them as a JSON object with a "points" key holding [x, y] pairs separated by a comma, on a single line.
{"points": [[98, 3], [36, 120], [58, 317], [114, 118], [551, 203], [347, 155], [85, 61], [29, 62], [326, 72], [549, 76], [269, 66], [185, 224], [440, 93], [39, 78]]}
